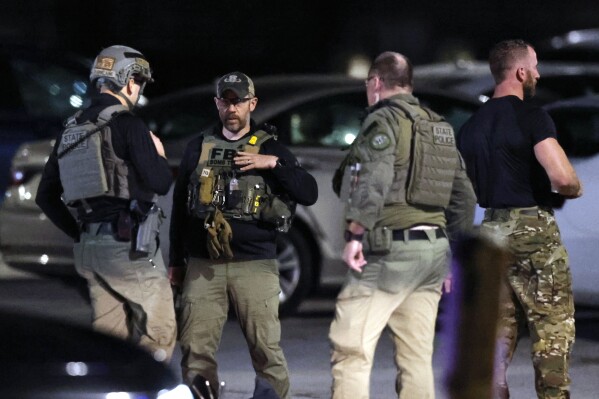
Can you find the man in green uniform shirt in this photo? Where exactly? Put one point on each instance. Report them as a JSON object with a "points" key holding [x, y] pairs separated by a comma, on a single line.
{"points": [[399, 216]]}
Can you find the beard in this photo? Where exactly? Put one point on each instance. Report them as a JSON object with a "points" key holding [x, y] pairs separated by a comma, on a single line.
{"points": [[234, 124], [530, 85]]}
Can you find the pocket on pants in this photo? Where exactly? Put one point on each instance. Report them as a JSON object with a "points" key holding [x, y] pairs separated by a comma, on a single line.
{"points": [[78, 258], [553, 281], [401, 269]]}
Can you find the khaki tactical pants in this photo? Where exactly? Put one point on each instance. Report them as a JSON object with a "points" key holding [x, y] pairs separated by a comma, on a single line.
{"points": [[131, 296], [539, 297], [253, 290], [400, 290]]}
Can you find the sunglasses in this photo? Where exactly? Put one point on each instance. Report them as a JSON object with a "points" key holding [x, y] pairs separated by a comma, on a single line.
{"points": [[227, 102]]}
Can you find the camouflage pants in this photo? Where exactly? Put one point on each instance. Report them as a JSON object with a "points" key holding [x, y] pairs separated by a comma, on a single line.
{"points": [[538, 297]]}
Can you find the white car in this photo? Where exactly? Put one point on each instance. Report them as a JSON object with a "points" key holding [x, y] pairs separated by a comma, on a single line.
{"points": [[316, 116]]}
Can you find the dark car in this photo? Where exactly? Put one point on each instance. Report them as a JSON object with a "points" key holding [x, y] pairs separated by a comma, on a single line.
{"points": [[46, 358], [316, 117], [39, 90]]}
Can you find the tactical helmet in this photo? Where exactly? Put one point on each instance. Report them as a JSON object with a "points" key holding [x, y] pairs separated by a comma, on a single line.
{"points": [[118, 64]]}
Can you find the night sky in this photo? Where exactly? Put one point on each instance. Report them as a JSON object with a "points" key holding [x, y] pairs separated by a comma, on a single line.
{"points": [[191, 42]]}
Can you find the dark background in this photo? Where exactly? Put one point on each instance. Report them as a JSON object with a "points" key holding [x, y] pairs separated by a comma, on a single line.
{"points": [[192, 42]]}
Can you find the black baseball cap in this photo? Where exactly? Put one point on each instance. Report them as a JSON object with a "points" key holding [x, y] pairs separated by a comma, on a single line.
{"points": [[238, 82]]}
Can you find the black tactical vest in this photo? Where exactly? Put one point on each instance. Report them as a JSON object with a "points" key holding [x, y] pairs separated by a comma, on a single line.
{"points": [[217, 183]]}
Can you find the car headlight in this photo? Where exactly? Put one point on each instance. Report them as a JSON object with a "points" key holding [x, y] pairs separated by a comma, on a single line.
{"points": [[180, 392]]}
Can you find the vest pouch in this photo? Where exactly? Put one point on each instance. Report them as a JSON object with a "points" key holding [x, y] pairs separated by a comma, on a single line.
{"points": [[254, 195], [380, 240], [82, 172], [234, 198], [206, 191], [234, 194], [276, 212]]}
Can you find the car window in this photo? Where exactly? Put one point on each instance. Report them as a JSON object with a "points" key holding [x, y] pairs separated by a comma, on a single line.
{"points": [[332, 121], [577, 131], [570, 86], [49, 90], [175, 119]]}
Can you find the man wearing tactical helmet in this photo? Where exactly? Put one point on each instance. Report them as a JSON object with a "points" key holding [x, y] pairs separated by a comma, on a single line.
{"points": [[110, 168]]}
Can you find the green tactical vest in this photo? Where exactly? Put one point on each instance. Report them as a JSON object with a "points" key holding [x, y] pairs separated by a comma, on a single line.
{"points": [[217, 183], [425, 177], [433, 159], [88, 165]]}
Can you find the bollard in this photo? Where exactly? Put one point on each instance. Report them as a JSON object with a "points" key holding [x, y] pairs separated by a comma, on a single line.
{"points": [[479, 265]]}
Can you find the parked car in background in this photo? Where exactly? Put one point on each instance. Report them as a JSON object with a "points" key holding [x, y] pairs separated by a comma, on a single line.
{"points": [[577, 123], [39, 90], [575, 45], [559, 79], [48, 359], [316, 117]]}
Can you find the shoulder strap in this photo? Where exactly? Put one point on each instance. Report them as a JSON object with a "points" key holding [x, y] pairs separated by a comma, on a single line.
{"points": [[259, 137], [111, 112], [255, 140], [411, 112], [104, 119]]}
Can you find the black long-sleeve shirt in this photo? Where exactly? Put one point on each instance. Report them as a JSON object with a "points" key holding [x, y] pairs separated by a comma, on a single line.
{"points": [[251, 240], [131, 142]]}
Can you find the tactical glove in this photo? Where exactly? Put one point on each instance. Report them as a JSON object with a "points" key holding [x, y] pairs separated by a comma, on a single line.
{"points": [[219, 236], [225, 234]]}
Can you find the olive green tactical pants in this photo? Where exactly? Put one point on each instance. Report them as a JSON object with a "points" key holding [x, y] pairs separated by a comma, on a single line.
{"points": [[401, 291], [131, 296], [539, 297], [252, 288]]}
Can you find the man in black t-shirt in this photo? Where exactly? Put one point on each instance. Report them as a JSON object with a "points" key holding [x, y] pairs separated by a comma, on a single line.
{"points": [[518, 168]]}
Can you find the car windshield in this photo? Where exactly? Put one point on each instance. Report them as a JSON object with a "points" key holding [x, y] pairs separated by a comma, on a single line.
{"points": [[49, 90], [180, 117]]}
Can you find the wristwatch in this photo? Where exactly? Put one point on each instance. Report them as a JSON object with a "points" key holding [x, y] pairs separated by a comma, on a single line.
{"points": [[349, 236]]}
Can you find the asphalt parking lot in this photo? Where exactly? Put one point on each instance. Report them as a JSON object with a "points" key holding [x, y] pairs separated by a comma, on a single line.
{"points": [[304, 339]]}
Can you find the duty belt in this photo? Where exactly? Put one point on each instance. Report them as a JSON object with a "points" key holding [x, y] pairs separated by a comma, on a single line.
{"points": [[98, 228], [510, 213], [416, 234]]}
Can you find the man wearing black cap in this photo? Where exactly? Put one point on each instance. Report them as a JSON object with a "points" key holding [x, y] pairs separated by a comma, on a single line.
{"points": [[237, 188]]}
